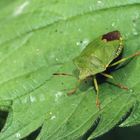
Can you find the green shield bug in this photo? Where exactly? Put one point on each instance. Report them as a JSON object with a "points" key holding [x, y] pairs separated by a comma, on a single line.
{"points": [[97, 56]]}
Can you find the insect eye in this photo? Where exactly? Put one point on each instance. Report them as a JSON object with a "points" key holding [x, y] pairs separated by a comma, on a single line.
{"points": [[115, 35]]}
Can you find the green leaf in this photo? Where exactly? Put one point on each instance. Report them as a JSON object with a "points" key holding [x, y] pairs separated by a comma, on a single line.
{"points": [[39, 38]]}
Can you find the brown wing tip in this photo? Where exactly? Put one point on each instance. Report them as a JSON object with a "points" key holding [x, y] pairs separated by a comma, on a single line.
{"points": [[114, 35]]}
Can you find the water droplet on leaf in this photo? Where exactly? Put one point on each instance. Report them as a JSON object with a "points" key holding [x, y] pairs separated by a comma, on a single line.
{"points": [[18, 135], [113, 24], [135, 31], [32, 99], [53, 117], [131, 90], [99, 1], [58, 95]]}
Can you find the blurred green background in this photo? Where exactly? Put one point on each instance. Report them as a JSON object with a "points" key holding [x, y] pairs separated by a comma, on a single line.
{"points": [[128, 133]]}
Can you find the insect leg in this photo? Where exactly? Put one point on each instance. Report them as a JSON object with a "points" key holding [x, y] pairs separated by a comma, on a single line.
{"points": [[119, 85], [124, 59], [97, 92], [67, 74], [62, 74], [72, 91], [107, 75], [116, 84]]}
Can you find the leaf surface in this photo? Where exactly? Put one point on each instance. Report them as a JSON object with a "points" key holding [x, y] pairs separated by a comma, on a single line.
{"points": [[39, 38]]}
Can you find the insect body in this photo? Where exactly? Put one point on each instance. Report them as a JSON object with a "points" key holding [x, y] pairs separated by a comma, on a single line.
{"points": [[97, 56]]}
